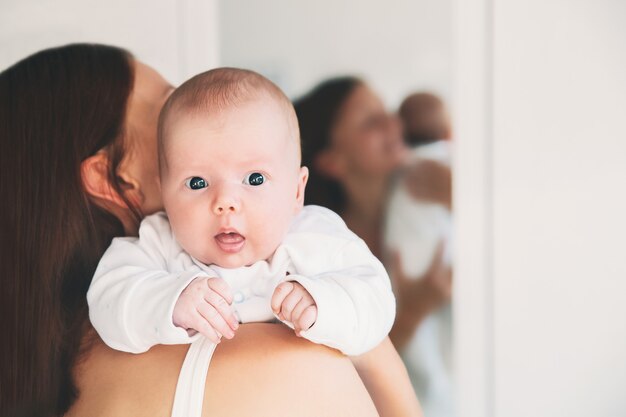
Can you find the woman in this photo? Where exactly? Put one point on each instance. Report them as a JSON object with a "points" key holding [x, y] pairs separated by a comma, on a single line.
{"points": [[78, 167], [354, 149]]}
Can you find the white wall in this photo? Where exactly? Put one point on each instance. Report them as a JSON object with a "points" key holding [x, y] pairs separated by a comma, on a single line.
{"points": [[178, 38], [540, 105], [398, 45]]}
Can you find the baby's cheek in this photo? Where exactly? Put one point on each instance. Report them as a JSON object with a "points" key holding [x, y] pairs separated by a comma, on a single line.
{"points": [[188, 237], [275, 231], [200, 244]]}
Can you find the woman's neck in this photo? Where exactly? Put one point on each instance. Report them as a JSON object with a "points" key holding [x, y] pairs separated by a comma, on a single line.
{"points": [[365, 209]]}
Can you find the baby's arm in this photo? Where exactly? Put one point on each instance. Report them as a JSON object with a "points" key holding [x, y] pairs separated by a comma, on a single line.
{"points": [[355, 305], [133, 294], [350, 288]]}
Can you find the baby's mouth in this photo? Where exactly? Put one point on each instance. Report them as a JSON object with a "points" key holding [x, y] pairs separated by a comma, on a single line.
{"points": [[231, 242]]}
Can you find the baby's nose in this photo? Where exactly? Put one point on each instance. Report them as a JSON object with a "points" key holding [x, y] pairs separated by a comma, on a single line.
{"points": [[225, 203], [224, 208]]}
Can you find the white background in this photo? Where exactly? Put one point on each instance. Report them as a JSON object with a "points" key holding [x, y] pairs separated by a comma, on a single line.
{"points": [[397, 45], [539, 91], [178, 38]]}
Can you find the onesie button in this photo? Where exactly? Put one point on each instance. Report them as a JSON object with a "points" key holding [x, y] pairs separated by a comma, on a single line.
{"points": [[238, 297]]}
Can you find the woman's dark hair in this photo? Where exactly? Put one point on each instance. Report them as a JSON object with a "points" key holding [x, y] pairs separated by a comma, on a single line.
{"points": [[57, 108], [317, 114]]}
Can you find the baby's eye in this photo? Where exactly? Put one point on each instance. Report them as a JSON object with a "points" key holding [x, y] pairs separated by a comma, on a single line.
{"points": [[255, 178], [196, 183]]}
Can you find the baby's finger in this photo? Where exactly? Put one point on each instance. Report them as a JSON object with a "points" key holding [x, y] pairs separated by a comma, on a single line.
{"points": [[304, 303], [223, 308], [289, 303], [282, 290], [205, 328], [306, 319], [222, 288], [216, 321]]}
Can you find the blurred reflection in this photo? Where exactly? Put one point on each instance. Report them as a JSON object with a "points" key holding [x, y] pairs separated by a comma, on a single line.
{"points": [[425, 119], [398, 200], [418, 230]]}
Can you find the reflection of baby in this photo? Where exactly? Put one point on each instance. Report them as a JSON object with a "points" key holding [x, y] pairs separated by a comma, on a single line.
{"points": [[236, 244]]}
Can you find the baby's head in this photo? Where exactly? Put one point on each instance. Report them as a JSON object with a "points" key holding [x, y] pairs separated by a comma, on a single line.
{"points": [[229, 155], [425, 119]]}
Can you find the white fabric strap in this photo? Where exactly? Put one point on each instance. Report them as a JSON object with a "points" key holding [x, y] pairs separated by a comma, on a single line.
{"points": [[192, 378]]}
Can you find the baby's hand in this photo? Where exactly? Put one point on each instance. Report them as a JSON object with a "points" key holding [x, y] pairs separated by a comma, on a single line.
{"points": [[293, 303], [204, 306]]}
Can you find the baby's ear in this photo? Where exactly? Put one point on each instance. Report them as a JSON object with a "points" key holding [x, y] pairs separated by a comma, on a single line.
{"points": [[303, 177]]}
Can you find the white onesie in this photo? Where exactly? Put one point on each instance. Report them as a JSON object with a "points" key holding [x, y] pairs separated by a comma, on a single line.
{"points": [[138, 281]]}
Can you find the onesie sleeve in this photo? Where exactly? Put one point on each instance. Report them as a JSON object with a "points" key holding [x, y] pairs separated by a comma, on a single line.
{"points": [[132, 295], [355, 303]]}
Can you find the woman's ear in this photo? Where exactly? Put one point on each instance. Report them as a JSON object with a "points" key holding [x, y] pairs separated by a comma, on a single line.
{"points": [[96, 180], [330, 164]]}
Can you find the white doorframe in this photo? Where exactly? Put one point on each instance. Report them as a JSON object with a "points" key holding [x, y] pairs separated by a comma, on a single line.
{"points": [[473, 280], [198, 36]]}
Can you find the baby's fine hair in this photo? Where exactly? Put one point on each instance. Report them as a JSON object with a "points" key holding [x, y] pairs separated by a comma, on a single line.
{"points": [[220, 89]]}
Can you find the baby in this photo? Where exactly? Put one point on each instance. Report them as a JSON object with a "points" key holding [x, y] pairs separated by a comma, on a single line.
{"points": [[235, 243]]}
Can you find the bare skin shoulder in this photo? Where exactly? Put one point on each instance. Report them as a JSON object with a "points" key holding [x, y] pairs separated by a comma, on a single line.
{"points": [[296, 376]]}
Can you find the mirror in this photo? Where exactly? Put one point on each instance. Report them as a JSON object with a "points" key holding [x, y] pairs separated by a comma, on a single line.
{"points": [[397, 48]]}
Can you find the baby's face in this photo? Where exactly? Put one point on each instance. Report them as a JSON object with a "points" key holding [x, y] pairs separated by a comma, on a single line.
{"points": [[232, 182]]}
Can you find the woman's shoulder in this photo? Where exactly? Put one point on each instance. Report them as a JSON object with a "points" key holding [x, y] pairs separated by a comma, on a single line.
{"points": [[282, 375], [262, 360], [114, 383]]}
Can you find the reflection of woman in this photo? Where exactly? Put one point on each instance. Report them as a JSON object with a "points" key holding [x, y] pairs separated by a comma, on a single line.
{"points": [[78, 166], [353, 149]]}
